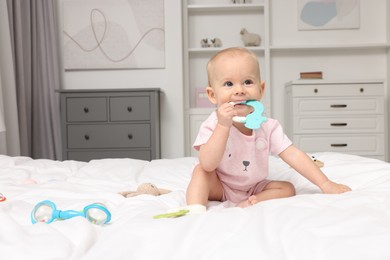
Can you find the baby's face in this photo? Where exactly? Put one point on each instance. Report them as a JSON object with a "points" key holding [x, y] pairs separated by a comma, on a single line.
{"points": [[235, 78]]}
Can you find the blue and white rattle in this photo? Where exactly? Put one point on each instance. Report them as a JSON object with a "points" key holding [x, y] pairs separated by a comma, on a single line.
{"points": [[46, 211], [254, 119]]}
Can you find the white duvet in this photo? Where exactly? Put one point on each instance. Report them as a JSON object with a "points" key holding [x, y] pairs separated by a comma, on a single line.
{"points": [[311, 225]]}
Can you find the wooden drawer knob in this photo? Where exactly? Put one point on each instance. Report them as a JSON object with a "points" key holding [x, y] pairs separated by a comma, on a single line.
{"points": [[129, 109], [339, 145], [86, 109], [361, 90], [338, 105], [86, 137], [130, 136], [338, 124]]}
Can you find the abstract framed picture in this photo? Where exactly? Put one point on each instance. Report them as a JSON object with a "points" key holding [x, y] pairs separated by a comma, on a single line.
{"points": [[115, 34], [328, 14]]}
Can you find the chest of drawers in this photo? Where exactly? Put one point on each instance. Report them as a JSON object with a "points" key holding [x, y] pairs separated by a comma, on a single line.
{"points": [[337, 116], [115, 123]]}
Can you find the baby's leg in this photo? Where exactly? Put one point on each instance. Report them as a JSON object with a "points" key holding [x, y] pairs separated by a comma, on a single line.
{"points": [[273, 190], [203, 186]]}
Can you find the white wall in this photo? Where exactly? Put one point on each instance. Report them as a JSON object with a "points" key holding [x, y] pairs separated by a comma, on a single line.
{"points": [[170, 80], [370, 62], [284, 26], [336, 63], [9, 140]]}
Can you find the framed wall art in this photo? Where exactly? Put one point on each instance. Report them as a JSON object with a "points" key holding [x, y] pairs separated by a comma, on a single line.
{"points": [[115, 34], [328, 14]]}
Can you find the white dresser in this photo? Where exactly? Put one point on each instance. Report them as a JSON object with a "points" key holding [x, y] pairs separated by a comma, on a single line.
{"points": [[337, 116]]}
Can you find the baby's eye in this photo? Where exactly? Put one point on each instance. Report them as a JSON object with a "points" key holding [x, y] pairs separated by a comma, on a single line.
{"points": [[228, 84], [248, 82]]}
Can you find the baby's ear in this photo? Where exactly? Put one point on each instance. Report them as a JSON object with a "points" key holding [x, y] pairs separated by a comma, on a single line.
{"points": [[211, 94], [262, 86]]}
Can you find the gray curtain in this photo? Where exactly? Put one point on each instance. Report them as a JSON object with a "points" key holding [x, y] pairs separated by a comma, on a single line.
{"points": [[36, 52]]}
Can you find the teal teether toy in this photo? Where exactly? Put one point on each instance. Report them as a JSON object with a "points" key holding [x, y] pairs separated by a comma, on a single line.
{"points": [[254, 119]]}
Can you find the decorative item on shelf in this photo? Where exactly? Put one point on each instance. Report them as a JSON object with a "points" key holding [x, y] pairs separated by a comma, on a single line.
{"points": [[204, 42], [311, 75], [216, 42], [201, 98], [250, 39]]}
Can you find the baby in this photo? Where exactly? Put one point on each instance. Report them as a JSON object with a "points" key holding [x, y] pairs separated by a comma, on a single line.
{"points": [[233, 159]]}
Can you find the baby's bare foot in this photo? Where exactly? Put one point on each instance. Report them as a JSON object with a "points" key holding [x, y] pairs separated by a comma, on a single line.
{"points": [[252, 200], [244, 204]]}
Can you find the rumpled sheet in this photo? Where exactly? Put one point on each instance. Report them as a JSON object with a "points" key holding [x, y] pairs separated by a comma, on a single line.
{"points": [[354, 225]]}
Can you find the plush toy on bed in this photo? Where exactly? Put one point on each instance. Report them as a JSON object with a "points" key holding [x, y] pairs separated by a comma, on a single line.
{"points": [[145, 188], [317, 162]]}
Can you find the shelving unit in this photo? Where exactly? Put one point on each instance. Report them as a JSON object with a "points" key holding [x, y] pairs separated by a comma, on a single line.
{"points": [[285, 51], [360, 46], [224, 7], [202, 19]]}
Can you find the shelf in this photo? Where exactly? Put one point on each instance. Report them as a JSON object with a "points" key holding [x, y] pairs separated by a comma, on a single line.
{"points": [[225, 20], [330, 46], [231, 7], [213, 49]]}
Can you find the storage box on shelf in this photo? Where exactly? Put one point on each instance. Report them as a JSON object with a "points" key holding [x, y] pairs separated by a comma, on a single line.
{"points": [[337, 116], [113, 123]]}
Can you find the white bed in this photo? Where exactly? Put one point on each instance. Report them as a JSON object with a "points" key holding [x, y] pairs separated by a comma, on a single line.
{"points": [[311, 225]]}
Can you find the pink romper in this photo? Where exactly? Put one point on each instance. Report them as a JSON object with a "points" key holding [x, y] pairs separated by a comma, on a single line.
{"points": [[243, 170]]}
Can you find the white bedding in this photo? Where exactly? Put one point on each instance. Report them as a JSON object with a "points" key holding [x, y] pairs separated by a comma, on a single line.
{"points": [[311, 225]]}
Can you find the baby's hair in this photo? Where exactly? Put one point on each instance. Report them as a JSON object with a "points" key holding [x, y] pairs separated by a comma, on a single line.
{"points": [[231, 51]]}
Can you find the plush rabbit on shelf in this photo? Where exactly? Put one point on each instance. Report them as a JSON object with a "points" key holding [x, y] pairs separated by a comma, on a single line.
{"points": [[204, 42], [216, 42]]}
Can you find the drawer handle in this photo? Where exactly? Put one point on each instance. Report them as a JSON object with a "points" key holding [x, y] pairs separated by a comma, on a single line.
{"points": [[338, 105], [361, 90], [339, 145], [86, 109], [130, 109], [130, 136], [86, 137], [338, 124]]}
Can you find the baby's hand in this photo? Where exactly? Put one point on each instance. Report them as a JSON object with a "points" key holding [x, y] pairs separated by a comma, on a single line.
{"points": [[225, 114], [331, 187]]}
